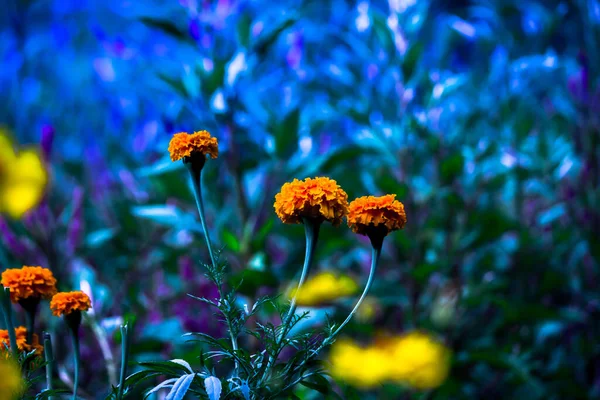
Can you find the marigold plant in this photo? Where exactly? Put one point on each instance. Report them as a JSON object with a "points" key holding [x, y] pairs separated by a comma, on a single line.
{"points": [[184, 145], [29, 282], [319, 198], [65, 303], [382, 213], [22, 344]]}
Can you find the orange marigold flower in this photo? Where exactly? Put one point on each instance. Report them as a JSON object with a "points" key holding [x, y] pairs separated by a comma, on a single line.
{"points": [[319, 198], [22, 345], [29, 282], [183, 145], [382, 212], [68, 302]]}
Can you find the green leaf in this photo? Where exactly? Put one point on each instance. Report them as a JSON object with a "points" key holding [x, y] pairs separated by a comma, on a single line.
{"points": [[174, 83], [451, 167], [231, 241], [243, 29], [181, 387], [411, 58], [166, 27], [266, 40], [286, 135], [318, 383], [422, 271], [250, 280]]}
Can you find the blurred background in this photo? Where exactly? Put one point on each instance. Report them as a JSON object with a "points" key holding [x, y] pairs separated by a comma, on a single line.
{"points": [[482, 116]]}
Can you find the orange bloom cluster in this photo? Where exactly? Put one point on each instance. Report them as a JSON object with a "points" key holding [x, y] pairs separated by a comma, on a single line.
{"points": [[183, 145], [319, 198], [22, 345], [68, 302], [376, 212], [29, 282]]}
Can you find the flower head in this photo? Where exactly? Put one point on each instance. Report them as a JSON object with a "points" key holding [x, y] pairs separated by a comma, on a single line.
{"points": [[29, 282], [422, 362], [11, 384], [415, 359], [23, 178], [369, 213], [364, 367], [319, 198], [184, 145], [325, 287], [65, 303], [22, 345]]}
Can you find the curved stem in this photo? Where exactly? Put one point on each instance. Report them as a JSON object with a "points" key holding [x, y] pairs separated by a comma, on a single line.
{"points": [[76, 359], [196, 177], [124, 358], [311, 231], [49, 356], [376, 252], [7, 311]]}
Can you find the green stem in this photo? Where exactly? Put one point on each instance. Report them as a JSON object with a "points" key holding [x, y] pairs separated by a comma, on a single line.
{"points": [[124, 359], [30, 322], [311, 231], [49, 356], [195, 170], [7, 311], [376, 252], [76, 359], [196, 177]]}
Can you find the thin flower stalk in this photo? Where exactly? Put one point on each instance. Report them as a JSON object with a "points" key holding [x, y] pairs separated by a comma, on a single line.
{"points": [[7, 311], [124, 359], [49, 357], [196, 177], [74, 332]]}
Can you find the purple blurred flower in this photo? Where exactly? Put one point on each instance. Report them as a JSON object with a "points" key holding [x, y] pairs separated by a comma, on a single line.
{"points": [[47, 140], [186, 269], [194, 29], [11, 242], [294, 54], [76, 225]]}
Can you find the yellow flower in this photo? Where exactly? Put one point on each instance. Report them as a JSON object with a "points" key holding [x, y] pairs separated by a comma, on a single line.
{"points": [[421, 361], [29, 282], [23, 178], [382, 213], [362, 367], [319, 198], [183, 145], [69, 302], [22, 345], [415, 359], [11, 384], [325, 287]]}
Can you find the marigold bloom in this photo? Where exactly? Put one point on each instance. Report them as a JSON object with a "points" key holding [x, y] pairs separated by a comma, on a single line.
{"points": [[22, 345], [29, 282], [320, 198], [23, 178], [184, 145], [382, 213], [11, 384], [422, 362], [69, 302], [325, 287]]}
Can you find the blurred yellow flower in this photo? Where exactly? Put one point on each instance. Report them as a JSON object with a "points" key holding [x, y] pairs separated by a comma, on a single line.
{"points": [[325, 287], [416, 360], [11, 383], [422, 362], [358, 366], [23, 178]]}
